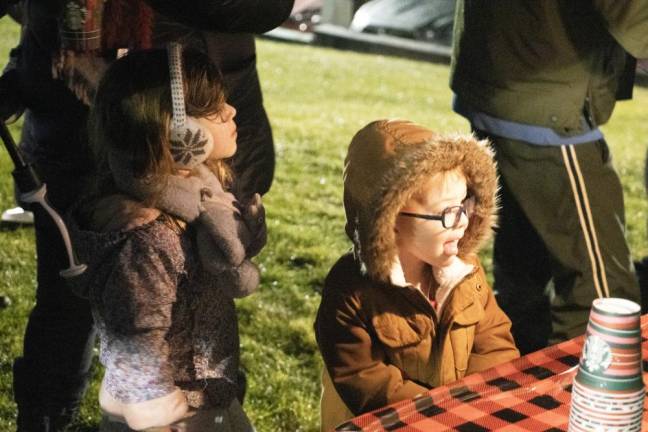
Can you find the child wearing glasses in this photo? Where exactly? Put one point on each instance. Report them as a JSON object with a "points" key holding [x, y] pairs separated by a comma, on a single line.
{"points": [[409, 308]]}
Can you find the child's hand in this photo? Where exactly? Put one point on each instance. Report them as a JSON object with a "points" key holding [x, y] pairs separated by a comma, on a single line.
{"points": [[225, 227], [241, 281], [642, 65], [254, 216]]}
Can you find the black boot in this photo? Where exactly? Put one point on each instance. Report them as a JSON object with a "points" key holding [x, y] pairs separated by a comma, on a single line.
{"points": [[31, 420]]}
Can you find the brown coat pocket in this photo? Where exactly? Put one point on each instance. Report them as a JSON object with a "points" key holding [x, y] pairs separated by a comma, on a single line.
{"points": [[403, 342], [399, 332]]}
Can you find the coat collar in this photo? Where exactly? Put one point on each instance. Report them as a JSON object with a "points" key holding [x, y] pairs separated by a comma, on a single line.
{"points": [[463, 307], [448, 279]]}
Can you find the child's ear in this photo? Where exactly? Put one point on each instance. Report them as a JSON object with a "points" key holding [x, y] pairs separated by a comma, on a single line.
{"points": [[191, 144]]}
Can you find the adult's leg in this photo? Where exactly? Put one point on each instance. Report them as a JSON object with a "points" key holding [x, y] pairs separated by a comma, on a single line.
{"points": [[602, 251], [51, 376], [641, 266], [521, 268], [572, 196]]}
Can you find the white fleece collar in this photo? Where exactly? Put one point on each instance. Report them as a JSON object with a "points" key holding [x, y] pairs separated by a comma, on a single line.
{"points": [[447, 277]]}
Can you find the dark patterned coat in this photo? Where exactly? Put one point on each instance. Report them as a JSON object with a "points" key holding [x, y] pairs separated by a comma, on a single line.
{"points": [[162, 320]]}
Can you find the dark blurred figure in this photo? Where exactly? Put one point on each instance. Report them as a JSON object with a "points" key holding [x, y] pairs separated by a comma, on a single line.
{"points": [[538, 78], [642, 265], [55, 85]]}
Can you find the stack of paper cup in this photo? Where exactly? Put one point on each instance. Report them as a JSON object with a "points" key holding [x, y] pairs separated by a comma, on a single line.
{"points": [[608, 390]]}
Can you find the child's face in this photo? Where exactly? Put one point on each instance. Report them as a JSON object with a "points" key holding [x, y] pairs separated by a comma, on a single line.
{"points": [[223, 130], [427, 240]]}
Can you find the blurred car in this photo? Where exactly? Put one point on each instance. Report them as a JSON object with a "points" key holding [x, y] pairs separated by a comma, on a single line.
{"points": [[304, 15], [425, 20]]}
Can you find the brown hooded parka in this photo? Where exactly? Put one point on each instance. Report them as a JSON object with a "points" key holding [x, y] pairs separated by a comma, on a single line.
{"points": [[381, 339]]}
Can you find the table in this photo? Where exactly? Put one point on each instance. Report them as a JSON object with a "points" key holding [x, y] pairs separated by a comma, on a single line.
{"points": [[532, 393]]}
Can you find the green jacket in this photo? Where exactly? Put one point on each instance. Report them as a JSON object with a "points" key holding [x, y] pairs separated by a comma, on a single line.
{"points": [[540, 62]]}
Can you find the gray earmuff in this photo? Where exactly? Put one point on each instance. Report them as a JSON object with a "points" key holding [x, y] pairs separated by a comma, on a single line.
{"points": [[191, 143]]}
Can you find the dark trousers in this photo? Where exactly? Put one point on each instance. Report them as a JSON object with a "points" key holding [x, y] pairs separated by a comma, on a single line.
{"points": [[561, 242], [51, 376]]}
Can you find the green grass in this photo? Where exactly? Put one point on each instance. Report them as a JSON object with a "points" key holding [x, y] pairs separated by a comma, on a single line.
{"points": [[317, 99]]}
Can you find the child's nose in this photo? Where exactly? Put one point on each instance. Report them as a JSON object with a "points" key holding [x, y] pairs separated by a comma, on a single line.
{"points": [[231, 111]]}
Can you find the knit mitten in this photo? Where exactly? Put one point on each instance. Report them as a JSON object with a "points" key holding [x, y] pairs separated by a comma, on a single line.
{"points": [[241, 281], [236, 280], [222, 224]]}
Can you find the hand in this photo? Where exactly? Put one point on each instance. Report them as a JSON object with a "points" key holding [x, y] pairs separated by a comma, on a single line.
{"points": [[222, 225], [240, 281], [642, 65]]}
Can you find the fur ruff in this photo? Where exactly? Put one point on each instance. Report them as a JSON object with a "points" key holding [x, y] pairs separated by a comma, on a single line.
{"points": [[404, 154]]}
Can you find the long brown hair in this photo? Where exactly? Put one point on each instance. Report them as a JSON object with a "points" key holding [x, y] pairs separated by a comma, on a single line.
{"points": [[132, 113]]}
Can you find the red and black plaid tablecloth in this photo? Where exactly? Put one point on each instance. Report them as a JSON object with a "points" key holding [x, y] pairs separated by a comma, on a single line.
{"points": [[531, 393]]}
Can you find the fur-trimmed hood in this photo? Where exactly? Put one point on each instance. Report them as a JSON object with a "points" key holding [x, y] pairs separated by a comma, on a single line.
{"points": [[386, 162]]}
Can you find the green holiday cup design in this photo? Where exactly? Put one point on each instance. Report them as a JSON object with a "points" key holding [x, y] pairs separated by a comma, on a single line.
{"points": [[608, 390], [80, 24], [611, 358]]}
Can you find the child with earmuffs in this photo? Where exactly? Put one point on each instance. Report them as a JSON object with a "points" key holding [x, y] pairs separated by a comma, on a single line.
{"points": [[167, 247]]}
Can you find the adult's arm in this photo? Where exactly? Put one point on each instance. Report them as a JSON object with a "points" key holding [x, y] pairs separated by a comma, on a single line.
{"points": [[226, 16]]}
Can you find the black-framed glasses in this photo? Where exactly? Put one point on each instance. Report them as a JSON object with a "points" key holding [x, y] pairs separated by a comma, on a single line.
{"points": [[450, 216]]}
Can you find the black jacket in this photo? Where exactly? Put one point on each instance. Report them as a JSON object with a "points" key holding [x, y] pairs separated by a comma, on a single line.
{"points": [[54, 130]]}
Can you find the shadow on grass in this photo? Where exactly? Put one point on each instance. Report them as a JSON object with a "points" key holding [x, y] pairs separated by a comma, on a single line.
{"points": [[12, 226], [317, 285], [84, 428]]}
